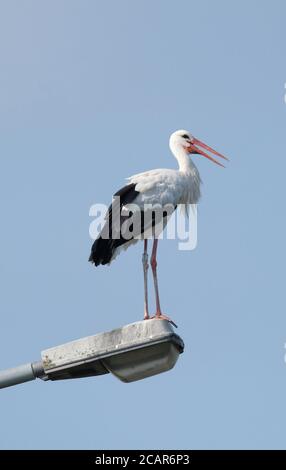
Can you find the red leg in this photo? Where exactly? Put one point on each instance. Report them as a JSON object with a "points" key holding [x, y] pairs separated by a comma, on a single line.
{"points": [[154, 270], [159, 315], [145, 271]]}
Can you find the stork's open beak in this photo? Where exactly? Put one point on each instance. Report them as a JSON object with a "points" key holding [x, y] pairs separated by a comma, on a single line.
{"points": [[192, 148]]}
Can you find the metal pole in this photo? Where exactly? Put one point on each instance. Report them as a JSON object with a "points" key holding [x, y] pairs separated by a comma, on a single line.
{"points": [[21, 374]]}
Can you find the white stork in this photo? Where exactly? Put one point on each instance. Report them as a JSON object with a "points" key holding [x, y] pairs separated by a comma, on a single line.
{"points": [[149, 189]]}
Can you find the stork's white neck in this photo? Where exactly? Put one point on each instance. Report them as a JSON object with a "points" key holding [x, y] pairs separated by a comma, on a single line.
{"points": [[185, 163]]}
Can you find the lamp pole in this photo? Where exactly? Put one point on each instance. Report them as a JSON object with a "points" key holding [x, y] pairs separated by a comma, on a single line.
{"points": [[20, 374]]}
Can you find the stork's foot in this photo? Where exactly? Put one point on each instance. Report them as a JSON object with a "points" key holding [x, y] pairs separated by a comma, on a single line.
{"points": [[161, 316]]}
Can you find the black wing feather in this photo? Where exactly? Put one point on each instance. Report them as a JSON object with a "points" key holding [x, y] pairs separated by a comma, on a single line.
{"points": [[103, 249]]}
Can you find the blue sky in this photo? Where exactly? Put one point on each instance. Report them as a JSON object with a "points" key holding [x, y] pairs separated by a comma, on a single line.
{"points": [[89, 93]]}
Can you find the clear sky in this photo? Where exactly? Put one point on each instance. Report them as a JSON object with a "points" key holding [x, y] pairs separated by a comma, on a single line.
{"points": [[89, 94]]}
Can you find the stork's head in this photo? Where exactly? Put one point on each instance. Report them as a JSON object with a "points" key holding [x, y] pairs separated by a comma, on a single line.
{"points": [[184, 140]]}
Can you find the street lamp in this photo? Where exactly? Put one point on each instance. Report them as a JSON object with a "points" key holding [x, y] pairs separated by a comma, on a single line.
{"points": [[132, 352]]}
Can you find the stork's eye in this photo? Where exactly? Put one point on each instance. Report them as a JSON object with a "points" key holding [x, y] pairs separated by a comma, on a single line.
{"points": [[185, 136]]}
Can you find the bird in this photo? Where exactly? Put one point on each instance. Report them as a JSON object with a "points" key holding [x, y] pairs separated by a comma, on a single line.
{"points": [[143, 198]]}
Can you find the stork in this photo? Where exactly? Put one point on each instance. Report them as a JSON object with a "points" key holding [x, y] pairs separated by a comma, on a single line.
{"points": [[152, 188]]}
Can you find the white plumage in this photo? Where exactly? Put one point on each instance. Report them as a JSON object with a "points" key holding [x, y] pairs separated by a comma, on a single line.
{"points": [[164, 186]]}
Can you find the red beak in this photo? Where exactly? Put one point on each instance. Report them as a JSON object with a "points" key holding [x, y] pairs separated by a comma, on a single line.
{"points": [[192, 148]]}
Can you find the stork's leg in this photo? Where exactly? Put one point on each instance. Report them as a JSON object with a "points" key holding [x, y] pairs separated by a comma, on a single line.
{"points": [[154, 271], [159, 314], [145, 271]]}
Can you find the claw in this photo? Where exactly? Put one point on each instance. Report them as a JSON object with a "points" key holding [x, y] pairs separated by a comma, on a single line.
{"points": [[164, 317]]}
